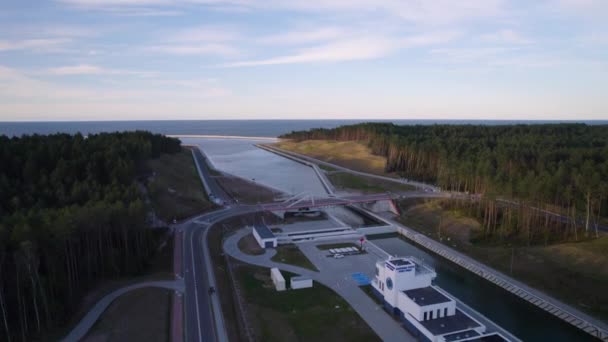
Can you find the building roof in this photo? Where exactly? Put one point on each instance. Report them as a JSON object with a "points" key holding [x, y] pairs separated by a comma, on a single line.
{"points": [[457, 336], [300, 278], [400, 262], [494, 337], [277, 273], [448, 324], [426, 296], [263, 231]]}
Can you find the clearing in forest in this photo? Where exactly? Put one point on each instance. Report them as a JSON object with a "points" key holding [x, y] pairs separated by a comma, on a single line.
{"points": [[351, 154]]}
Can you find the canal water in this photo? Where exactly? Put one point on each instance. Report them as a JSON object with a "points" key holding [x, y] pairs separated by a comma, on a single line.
{"points": [[519, 317], [522, 319], [241, 158]]}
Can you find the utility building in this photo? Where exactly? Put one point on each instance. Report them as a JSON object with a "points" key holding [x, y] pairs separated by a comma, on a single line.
{"points": [[264, 236], [277, 279]]}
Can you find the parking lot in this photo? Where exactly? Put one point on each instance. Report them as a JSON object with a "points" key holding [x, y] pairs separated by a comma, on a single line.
{"points": [[342, 270]]}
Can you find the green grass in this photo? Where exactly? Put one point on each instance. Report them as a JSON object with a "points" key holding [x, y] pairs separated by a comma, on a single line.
{"points": [[248, 245], [337, 245], [327, 167], [176, 190], [574, 272], [351, 154], [312, 314], [291, 254], [138, 315], [349, 181]]}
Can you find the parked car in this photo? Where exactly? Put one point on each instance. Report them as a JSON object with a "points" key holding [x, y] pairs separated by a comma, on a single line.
{"points": [[338, 256]]}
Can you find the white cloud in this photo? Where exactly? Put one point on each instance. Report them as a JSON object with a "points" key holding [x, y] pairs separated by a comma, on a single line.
{"points": [[82, 69], [505, 36], [303, 36], [466, 55], [40, 45], [347, 50], [417, 11], [211, 49], [205, 34], [88, 69], [15, 86], [354, 48]]}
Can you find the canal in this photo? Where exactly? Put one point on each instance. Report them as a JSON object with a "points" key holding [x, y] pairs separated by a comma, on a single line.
{"points": [[241, 158], [522, 319]]}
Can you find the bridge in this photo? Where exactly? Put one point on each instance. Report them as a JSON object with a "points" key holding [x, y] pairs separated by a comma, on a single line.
{"points": [[306, 200]]}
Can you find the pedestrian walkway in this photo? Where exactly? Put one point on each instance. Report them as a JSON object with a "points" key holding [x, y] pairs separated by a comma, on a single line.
{"points": [[373, 314], [85, 324]]}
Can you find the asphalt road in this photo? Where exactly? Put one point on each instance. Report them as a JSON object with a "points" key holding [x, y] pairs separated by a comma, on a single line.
{"points": [[211, 186]]}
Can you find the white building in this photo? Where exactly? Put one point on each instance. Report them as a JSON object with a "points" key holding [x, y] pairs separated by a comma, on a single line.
{"points": [[300, 282], [264, 236], [430, 314], [277, 279]]}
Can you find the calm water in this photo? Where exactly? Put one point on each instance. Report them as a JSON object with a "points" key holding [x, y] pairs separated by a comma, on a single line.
{"points": [[517, 316], [249, 128], [241, 158]]}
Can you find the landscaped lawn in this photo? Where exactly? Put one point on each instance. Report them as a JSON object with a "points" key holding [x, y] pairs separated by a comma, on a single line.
{"points": [[348, 181], [291, 254], [351, 154], [312, 314], [139, 315]]}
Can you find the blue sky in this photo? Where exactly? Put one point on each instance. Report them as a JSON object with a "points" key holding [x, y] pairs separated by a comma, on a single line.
{"points": [[298, 59]]}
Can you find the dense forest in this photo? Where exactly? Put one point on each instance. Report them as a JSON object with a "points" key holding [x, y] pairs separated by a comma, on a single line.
{"points": [[525, 173], [70, 215]]}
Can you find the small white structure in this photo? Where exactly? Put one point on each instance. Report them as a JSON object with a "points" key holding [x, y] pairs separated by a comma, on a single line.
{"points": [[300, 282], [277, 279], [264, 236]]}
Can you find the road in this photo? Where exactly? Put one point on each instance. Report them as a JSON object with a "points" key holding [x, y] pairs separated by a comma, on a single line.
{"points": [[204, 317], [211, 187], [203, 312]]}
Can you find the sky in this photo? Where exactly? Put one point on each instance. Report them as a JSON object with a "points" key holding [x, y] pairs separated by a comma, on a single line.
{"points": [[303, 59]]}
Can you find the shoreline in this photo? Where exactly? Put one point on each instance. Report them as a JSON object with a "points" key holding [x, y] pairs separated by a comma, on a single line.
{"points": [[210, 136]]}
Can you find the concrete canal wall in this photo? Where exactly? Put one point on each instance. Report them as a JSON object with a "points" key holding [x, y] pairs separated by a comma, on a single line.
{"points": [[558, 309]]}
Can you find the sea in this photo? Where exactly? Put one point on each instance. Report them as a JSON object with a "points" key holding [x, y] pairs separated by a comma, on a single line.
{"points": [[246, 128]]}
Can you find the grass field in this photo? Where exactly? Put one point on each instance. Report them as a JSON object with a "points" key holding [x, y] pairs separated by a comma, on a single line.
{"points": [[139, 315], [350, 154], [313, 314], [575, 272], [291, 254], [348, 181], [160, 267], [248, 245], [175, 188]]}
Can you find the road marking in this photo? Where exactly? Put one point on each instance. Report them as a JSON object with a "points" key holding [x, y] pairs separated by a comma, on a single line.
{"points": [[198, 320]]}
